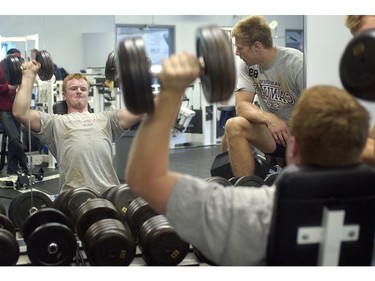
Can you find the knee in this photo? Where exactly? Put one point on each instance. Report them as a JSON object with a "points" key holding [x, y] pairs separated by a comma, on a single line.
{"points": [[235, 126]]}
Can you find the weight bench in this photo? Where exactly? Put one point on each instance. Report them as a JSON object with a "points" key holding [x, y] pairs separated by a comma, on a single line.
{"points": [[60, 107], [323, 217]]}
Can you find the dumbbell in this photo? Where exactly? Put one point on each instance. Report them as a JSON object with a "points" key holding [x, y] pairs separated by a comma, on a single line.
{"points": [[24, 204], [110, 71], [214, 53], [2, 209], [157, 239], [70, 200], [9, 247], [220, 180], [357, 66], [105, 238], [12, 67], [250, 181], [121, 196], [49, 236]]}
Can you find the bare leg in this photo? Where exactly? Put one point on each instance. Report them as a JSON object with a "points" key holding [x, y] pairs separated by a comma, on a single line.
{"points": [[240, 153], [223, 143], [241, 135]]}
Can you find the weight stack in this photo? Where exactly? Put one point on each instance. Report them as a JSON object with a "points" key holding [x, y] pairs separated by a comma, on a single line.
{"points": [[221, 166]]}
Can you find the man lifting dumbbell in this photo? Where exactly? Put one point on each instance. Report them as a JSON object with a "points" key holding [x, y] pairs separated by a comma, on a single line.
{"points": [[80, 141], [230, 225]]}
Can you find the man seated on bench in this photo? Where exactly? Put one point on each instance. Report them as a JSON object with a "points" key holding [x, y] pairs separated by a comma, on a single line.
{"points": [[230, 226]]}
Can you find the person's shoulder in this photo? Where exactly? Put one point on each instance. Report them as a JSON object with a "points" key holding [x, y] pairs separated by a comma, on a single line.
{"points": [[289, 50]]}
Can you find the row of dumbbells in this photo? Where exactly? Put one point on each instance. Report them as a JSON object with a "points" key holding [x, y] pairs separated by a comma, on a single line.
{"points": [[109, 227]]}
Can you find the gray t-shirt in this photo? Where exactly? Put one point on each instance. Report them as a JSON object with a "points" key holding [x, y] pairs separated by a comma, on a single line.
{"points": [[278, 86], [82, 146], [228, 225]]}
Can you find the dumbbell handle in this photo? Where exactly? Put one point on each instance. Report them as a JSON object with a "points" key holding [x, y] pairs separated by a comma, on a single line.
{"points": [[155, 69]]}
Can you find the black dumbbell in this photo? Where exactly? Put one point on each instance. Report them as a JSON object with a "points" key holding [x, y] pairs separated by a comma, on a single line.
{"points": [[9, 247], [49, 236], [214, 53], [12, 67], [105, 238]]}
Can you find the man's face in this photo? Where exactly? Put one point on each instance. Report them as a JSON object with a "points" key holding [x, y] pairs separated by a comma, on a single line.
{"points": [[246, 53], [77, 93]]}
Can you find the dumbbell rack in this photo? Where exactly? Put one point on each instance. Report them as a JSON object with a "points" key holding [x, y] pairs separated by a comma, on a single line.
{"points": [[81, 259]]}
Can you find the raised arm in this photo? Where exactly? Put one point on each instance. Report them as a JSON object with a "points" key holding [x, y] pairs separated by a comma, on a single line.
{"points": [[127, 119], [21, 105], [148, 171]]}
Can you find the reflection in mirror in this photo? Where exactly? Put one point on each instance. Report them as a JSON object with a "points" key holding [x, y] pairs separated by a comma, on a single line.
{"points": [[81, 43]]}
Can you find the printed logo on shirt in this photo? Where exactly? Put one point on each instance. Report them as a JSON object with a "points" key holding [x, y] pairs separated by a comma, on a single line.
{"points": [[273, 95], [253, 72]]}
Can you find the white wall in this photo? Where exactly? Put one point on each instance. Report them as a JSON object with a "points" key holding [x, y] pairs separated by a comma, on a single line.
{"points": [[326, 39]]}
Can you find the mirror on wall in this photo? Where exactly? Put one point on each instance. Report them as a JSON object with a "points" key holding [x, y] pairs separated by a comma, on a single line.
{"points": [[77, 42]]}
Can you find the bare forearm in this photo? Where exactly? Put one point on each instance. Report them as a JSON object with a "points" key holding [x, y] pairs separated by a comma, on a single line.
{"points": [[127, 119], [21, 106], [251, 112], [147, 169]]}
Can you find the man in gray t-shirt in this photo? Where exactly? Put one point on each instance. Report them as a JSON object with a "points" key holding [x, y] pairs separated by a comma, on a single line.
{"points": [[81, 141], [230, 226], [275, 76]]}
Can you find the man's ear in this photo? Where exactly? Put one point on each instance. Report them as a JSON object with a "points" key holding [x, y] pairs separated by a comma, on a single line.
{"points": [[293, 152]]}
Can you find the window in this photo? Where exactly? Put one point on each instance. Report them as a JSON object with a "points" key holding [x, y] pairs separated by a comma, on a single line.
{"points": [[159, 40], [294, 38]]}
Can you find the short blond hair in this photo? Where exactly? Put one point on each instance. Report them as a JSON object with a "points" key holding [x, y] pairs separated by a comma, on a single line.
{"points": [[251, 29], [358, 23], [77, 76]]}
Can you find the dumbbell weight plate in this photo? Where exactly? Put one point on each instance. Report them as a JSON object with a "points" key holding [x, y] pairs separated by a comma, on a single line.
{"points": [[218, 76], [357, 66], [110, 67], [52, 244], [233, 180], [46, 70], [138, 212], [9, 248], [2, 209], [135, 76], [20, 206], [6, 223], [220, 180], [92, 211], [160, 244], [43, 216], [109, 242], [251, 181], [121, 196], [271, 179], [76, 197], [60, 201], [12, 70]]}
